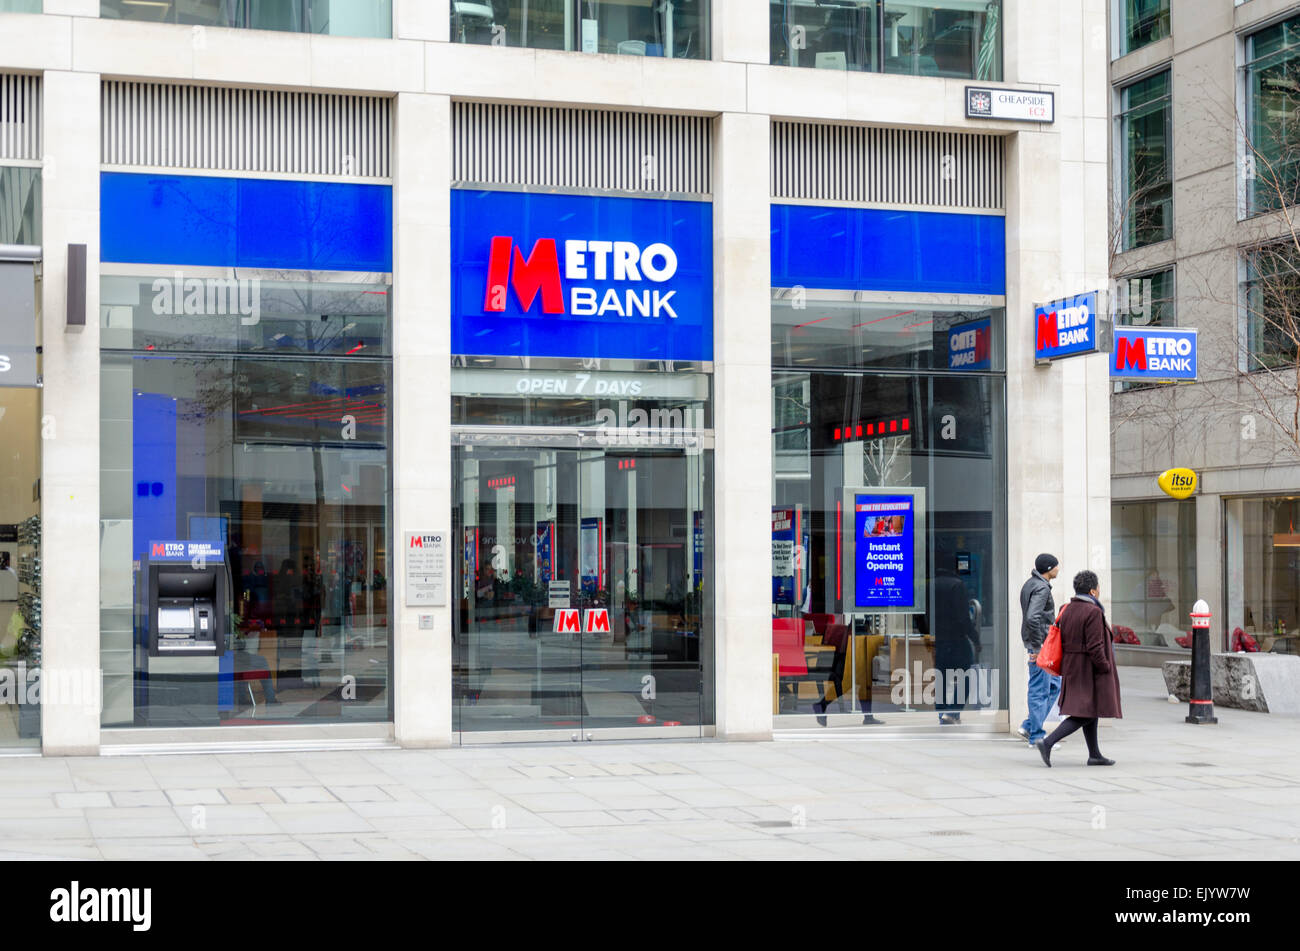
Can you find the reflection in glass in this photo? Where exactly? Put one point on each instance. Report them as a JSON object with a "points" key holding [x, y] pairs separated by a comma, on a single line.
{"points": [[830, 36], [1146, 189], [1153, 570], [20, 568], [957, 38], [363, 18], [831, 329], [1263, 574], [1273, 110], [284, 462], [617, 535], [184, 311], [940, 433], [20, 206], [675, 28], [1142, 22]]}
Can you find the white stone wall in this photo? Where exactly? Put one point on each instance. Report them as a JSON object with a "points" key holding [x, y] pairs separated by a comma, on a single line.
{"points": [[1057, 471]]}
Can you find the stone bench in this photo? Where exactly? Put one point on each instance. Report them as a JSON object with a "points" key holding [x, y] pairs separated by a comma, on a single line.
{"points": [[1268, 683]]}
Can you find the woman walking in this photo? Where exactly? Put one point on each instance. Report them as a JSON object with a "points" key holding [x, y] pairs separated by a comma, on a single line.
{"points": [[1089, 680]]}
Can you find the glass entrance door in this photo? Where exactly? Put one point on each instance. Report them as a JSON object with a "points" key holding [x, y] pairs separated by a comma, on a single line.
{"points": [[581, 579]]}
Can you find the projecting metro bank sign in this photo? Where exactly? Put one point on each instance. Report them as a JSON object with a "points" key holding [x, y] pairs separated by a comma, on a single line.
{"points": [[581, 276]]}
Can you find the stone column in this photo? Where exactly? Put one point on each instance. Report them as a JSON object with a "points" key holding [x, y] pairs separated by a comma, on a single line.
{"points": [[421, 407], [743, 423], [70, 419]]}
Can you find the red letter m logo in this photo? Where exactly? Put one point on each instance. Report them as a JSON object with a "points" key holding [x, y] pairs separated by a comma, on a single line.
{"points": [[417, 541], [157, 550], [1046, 331], [566, 621], [1130, 353], [597, 621], [541, 272]]}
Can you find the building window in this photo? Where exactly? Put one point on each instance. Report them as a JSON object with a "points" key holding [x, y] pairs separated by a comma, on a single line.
{"points": [[1272, 162], [897, 407], [367, 18], [957, 38], [1146, 300], [1145, 208], [1271, 296], [20, 6], [1142, 22], [20, 205], [253, 415], [1263, 574], [678, 29], [1153, 569]]}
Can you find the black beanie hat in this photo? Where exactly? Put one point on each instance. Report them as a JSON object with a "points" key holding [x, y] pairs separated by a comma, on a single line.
{"points": [[1045, 563]]}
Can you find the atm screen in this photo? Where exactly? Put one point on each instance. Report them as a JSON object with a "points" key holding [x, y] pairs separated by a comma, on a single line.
{"points": [[175, 618]]}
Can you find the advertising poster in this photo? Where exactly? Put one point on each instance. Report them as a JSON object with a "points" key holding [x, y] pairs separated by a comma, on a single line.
{"points": [[789, 543], [885, 549], [545, 558], [590, 543]]}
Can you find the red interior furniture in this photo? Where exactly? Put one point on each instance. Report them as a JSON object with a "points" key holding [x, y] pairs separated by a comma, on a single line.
{"points": [[1243, 642], [787, 643]]}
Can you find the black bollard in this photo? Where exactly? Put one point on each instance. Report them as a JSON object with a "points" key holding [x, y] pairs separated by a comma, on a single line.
{"points": [[1200, 709]]}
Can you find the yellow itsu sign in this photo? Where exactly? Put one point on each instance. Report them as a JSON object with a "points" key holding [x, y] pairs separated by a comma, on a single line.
{"points": [[1180, 483]]}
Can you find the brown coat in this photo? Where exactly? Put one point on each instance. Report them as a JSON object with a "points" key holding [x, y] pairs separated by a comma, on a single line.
{"points": [[1089, 680]]}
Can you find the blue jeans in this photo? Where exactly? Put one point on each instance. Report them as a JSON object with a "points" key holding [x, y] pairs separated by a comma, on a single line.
{"points": [[1043, 688]]}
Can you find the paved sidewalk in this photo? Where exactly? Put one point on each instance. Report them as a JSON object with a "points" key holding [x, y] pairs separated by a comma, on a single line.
{"points": [[1179, 791]]}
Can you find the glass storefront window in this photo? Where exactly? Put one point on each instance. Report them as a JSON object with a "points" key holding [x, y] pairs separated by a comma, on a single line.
{"points": [[1270, 293], [958, 38], [1272, 77], [20, 205], [20, 6], [840, 36], [1146, 190], [676, 29], [583, 496], [362, 18], [280, 457], [1142, 22], [1153, 569], [902, 402], [1263, 572], [834, 329], [20, 513]]}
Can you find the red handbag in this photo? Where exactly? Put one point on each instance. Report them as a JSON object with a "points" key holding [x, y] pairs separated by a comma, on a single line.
{"points": [[1049, 655]]}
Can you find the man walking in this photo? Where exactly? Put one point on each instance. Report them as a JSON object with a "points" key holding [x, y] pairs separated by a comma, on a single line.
{"points": [[1039, 615]]}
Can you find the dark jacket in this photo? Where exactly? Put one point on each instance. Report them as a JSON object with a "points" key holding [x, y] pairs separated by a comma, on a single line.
{"points": [[1038, 610], [1089, 680]]}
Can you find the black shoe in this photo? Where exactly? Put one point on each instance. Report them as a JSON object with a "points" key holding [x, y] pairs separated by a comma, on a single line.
{"points": [[1100, 761], [820, 707], [1044, 751], [869, 719]]}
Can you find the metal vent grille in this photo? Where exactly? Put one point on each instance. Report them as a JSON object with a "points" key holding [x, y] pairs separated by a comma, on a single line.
{"points": [[245, 130], [20, 117], [581, 149], [870, 166]]}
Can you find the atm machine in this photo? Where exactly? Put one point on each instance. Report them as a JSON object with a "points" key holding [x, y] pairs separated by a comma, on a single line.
{"points": [[185, 622]]}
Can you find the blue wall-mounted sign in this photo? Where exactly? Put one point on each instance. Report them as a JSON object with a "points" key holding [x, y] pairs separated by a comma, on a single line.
{"points": [[581, 276], [970, 344], [1066, 327], [245, 222], [1154, 354], [873, 249], [186, 551]]}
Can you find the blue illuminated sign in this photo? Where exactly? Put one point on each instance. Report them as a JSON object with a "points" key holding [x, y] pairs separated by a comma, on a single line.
{"points": [[187, 551], [1154, 354], [1066, 327], [581, 276], [883, 527]]}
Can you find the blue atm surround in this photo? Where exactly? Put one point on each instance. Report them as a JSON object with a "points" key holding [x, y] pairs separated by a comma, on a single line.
{"points": [[245, 222], [873, 249]]}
